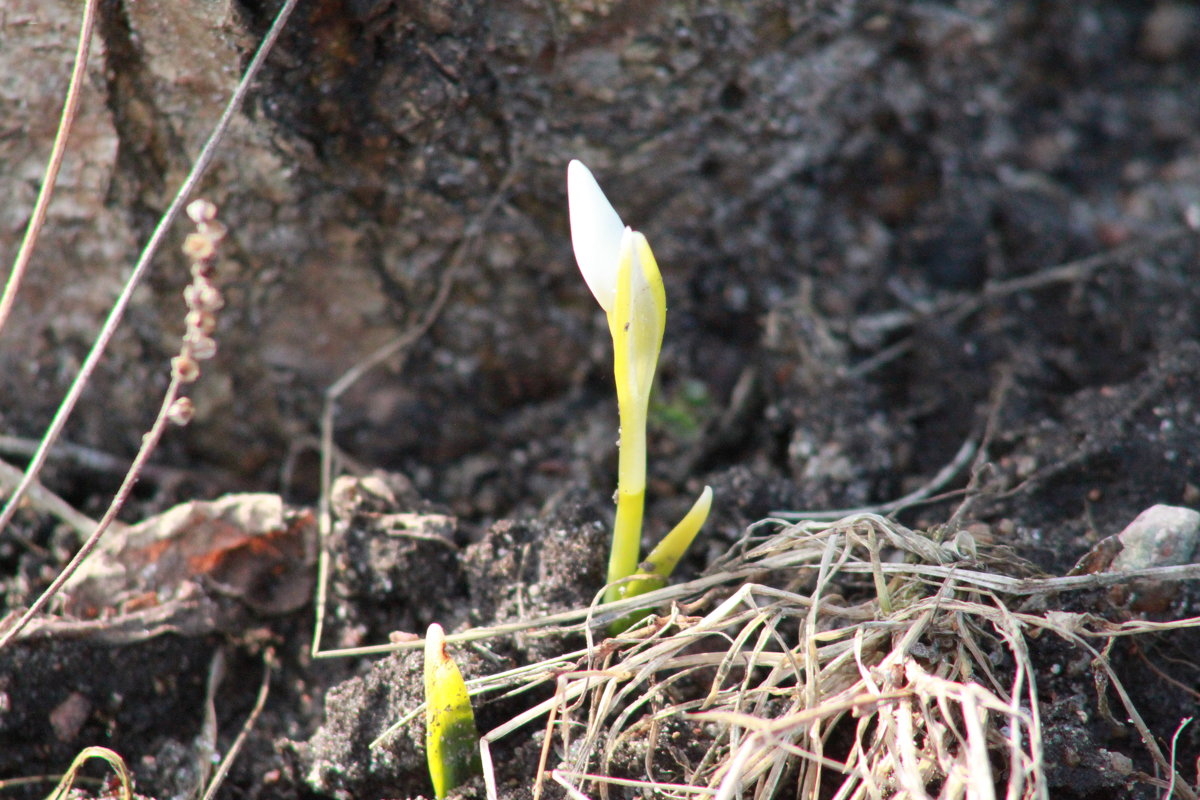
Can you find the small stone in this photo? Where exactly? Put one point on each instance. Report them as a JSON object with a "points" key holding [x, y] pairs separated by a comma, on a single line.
{"points": [[1120, 763], [1191, 216], [1167, 31], [1161, 536], [68, 716]]}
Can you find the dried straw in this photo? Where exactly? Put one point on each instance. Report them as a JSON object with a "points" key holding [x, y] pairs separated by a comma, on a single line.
{"points": [[851, 660]]}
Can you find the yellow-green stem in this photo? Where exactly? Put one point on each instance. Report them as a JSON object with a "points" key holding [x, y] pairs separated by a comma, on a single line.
{"points": [[658, 566], [631, 500]]}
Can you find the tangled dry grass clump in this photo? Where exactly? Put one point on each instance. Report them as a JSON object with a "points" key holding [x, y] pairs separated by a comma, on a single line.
{"points": [[875, 677], [858, 659]]}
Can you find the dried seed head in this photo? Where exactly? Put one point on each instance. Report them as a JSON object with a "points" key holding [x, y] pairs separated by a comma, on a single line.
{"points": [[202, 270], [181, 411], [184, 368], [202, 296], [203, 322], [201, 211], [214, 230], [199, 247], [208, 298], [202, 347]]}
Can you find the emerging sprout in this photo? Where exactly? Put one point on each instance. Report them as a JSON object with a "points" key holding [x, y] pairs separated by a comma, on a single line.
{"points": [[451, 739], [619, 268]]}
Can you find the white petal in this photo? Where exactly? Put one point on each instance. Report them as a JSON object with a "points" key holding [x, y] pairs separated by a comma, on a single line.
{"points": [[596, 232]]}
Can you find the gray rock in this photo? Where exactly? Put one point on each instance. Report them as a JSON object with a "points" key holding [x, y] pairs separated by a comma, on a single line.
{"points": [[1161, 536]]}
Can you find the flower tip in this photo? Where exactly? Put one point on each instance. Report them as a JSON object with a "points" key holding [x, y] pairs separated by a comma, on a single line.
{"points": [[596, 233], [435, 641], [584, 193]]}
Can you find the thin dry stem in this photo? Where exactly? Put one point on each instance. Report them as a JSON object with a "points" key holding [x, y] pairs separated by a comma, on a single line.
{"points": [[149, 442], [185, 369], [232, 753], [45, 500], [50, 177], [397, 347], [67, 406]]}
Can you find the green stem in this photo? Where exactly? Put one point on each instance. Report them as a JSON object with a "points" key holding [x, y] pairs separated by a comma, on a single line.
{"points": [[657, 568], [631, 499]]}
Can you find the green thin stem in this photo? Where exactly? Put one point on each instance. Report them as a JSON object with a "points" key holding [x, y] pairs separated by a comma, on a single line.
{"points": [[631, 500]]}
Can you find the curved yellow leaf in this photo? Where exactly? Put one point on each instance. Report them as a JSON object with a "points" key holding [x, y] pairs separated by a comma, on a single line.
{"points": [[658, 566]]}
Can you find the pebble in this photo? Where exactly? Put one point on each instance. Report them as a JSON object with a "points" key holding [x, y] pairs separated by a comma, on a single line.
{"points": [[1167, 31], [1160, 536]]}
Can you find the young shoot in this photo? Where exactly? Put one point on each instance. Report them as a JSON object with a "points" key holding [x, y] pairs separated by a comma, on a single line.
{"points": [[619, 268], [451, 739]]}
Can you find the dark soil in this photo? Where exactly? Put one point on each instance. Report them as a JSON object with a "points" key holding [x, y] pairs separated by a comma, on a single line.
{"points": [[886, 229]]}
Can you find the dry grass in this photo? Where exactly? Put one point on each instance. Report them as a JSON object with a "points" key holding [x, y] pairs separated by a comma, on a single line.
{"points": [[857, 659]]}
